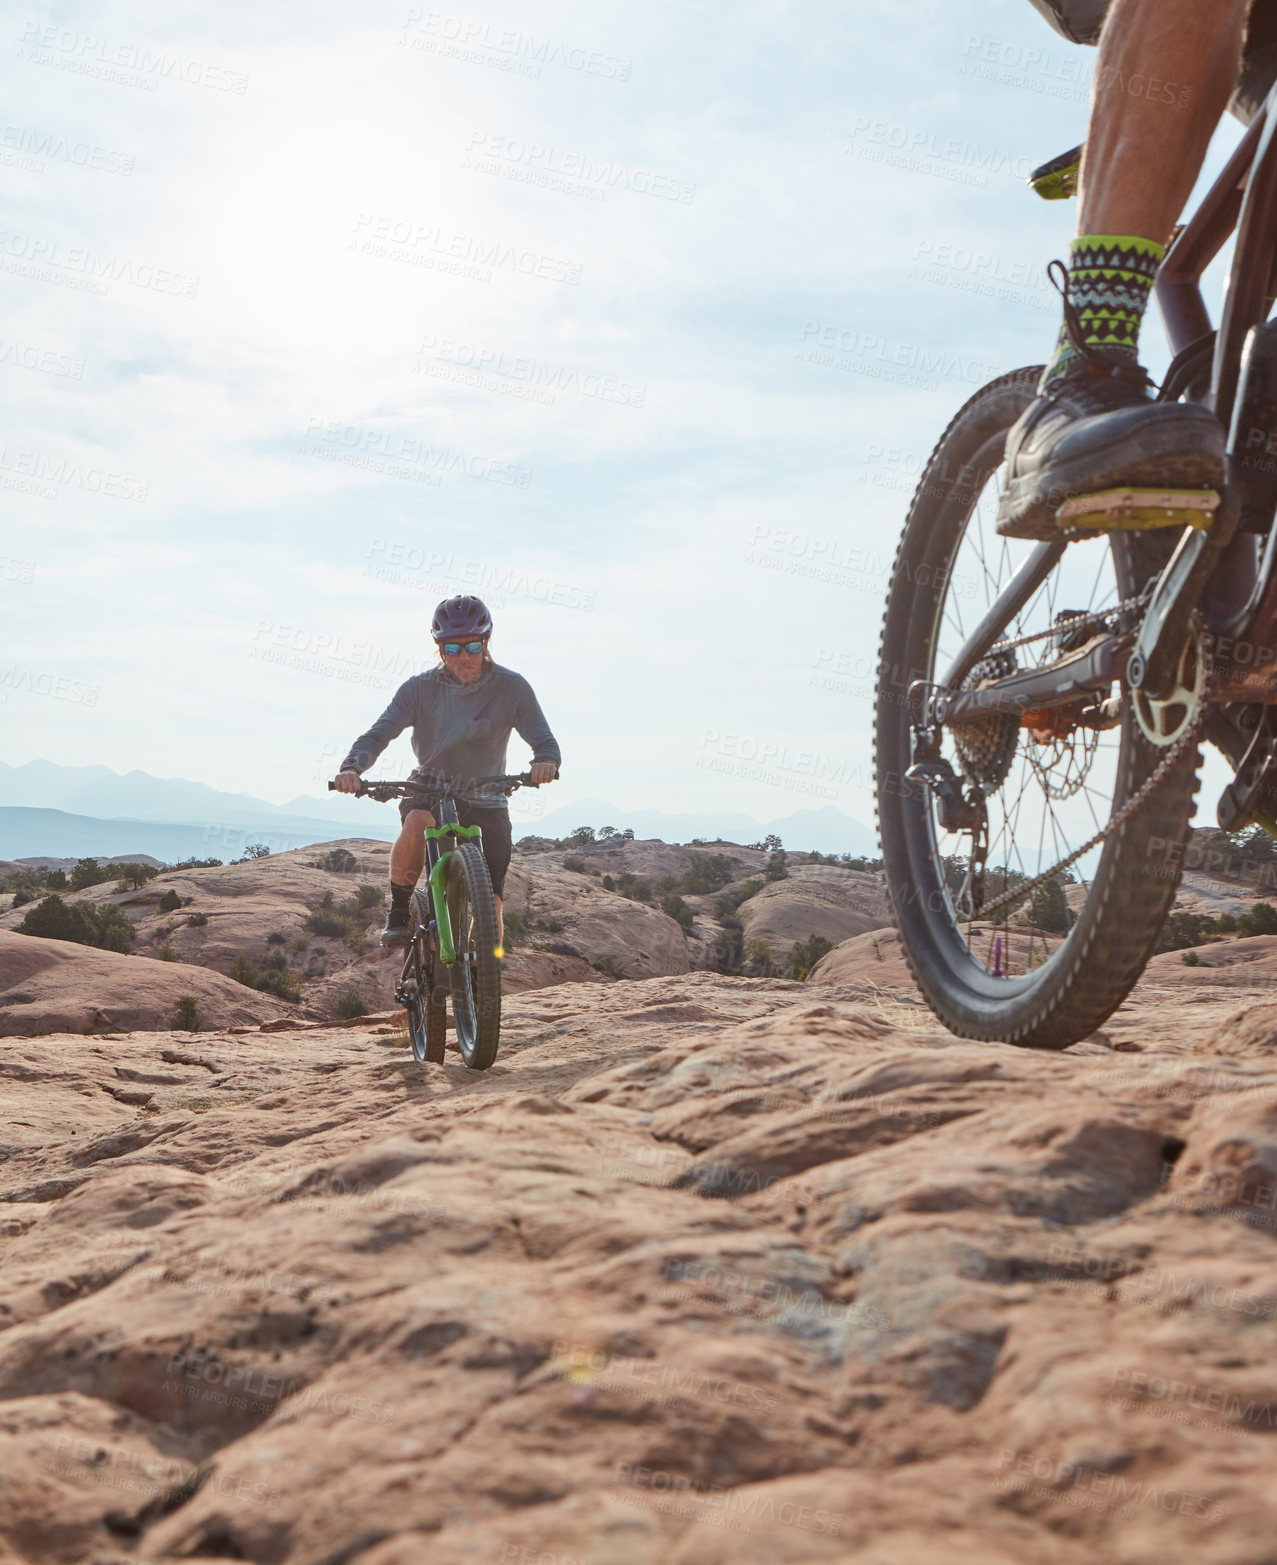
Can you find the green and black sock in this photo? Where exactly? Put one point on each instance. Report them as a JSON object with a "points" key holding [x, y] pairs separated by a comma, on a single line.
{"points": [[1110, 278]]}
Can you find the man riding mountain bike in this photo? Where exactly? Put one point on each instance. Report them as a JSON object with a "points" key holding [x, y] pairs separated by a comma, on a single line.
{"points": [[462, 714], [1164, 76]]}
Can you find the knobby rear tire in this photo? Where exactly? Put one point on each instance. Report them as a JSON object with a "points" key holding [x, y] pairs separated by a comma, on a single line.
{"points": [[476, 974], [1135, 881]]}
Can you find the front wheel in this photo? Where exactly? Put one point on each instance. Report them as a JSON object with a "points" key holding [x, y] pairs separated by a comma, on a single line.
{"points": [[427, 1018], [476, 973], [1047, 968]]}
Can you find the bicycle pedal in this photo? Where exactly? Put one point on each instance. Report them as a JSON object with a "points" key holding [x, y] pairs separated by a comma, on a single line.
{"points": [[1057, 179], [1137, 510]]}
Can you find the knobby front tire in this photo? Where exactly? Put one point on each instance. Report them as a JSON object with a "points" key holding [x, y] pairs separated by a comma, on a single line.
{"points": [[1008, 980], [427, 1021], [476, 973]]}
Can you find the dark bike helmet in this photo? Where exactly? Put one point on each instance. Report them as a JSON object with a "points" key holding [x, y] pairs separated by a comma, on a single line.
{"points": [[461, 616]]}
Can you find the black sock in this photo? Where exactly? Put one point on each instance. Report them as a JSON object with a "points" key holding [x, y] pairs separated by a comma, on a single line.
{"points": [[400, 896]]}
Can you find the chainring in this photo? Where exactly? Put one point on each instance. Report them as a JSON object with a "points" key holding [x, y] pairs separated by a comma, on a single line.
{"points": [[1165, 722], [986, 746]]}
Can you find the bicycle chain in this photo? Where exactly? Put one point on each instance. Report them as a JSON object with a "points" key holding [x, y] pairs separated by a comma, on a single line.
{"points": [[1188, 737], [1064, 626]]}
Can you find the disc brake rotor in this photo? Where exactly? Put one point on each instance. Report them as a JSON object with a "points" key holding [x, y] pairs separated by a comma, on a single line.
{"points": [[1163, 722], [986, 746]]}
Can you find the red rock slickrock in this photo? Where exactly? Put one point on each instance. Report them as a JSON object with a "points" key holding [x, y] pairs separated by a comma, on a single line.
{"points": [[705, 1271]]}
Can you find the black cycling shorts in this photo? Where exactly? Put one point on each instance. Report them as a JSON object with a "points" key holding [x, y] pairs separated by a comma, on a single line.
{"points": [[495, 825], [1080, 21]]}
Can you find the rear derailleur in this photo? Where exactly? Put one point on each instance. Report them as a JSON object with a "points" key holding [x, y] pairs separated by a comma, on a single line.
{"points": [[957, 810]]}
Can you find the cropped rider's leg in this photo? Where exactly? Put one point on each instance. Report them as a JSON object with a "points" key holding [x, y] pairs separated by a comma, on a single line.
{"points": [[1165, 71], [407, 860]]}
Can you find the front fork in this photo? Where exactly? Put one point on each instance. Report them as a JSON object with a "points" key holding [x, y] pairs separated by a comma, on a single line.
{"points": [[439, 889]]}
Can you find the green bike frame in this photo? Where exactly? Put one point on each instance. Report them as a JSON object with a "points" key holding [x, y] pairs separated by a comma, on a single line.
{"points": [[438, 890]]}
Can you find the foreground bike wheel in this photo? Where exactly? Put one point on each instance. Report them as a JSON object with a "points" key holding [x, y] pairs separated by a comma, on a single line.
{"points": [[427, 1020], [1049, 970], [476, 974]]}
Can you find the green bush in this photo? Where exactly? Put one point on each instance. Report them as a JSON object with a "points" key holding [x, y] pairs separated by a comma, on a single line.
{"points": [[777, 865], [169, 902], [277, 937], [21, 897], [1226, 923], [186, 1014], [515, 926], [244, 971], [341, 861], [197, 920], [1048, 910], [575, 864], [166, 953], [350, 1003], [678, 910], [196, 864], [636, 887], [727, 904], [806, 953], [1261, 920], [1191, 959], [707, 872], [108, 927], [282, 983], [608, 883], [758, 955], [370, 896], [134, 876]]}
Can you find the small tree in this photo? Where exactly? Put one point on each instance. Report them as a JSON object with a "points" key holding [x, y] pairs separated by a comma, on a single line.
{"points": [[605, 832], [186, 1013], [806, 953], [244, 971], [1048, 910], [169, 902], [341, 861], [758, 955], [254, 850], [350, 1003], [1261, 920], [580, 838], [777, 864], [87, 872]]}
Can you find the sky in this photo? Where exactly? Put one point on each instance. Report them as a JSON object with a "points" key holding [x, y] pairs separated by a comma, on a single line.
{"points": [[639, 320]]}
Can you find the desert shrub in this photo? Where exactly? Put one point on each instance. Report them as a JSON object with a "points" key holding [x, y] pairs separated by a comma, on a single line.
{"points": [[1048, 910], [275, 962], [286, 985], [350, 1003], [558, 947], [580, 837], [1226, 923], [806, 953], [325, 924], [337, 920], [166, 953], [667, 885], [553, 926], [298, 944], [370, 896], [254, 850], [277, 937], [88, 872], [678, 910], [244, 971], [731, 900], [758, 955], [777, 865], [636, 887], [186, 1013], [134, 876], [197, 920], [515, 926], [21, 897], [341, 861], [608, 883], [1182, 930], [707, 872], [108, 928], [169, 902], [1261, 920], [1191, 959], [606, 966], [575, 864], [730, 941], [196, 864]]}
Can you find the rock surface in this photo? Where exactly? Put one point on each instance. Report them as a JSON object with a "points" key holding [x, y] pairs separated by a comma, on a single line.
{"points": [[705, 1271], [55, 986]]}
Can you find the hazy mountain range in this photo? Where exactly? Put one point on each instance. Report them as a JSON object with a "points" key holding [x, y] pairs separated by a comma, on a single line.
{"points": [[72, 811]]}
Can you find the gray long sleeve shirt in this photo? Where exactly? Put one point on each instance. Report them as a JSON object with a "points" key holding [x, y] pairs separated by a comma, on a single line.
{"points": [[460, 731]]}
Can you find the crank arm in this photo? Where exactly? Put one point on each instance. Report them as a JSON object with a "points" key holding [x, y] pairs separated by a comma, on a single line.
{"points": [[1035, 689], [1154, 663], [1237, 803]]}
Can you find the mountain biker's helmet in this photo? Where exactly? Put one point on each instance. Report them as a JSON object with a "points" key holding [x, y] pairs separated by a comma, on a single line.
{"points": [[461, 616]]}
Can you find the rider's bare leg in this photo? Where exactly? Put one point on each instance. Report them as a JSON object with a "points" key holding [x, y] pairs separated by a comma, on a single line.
{"points": [[500, 920], [408, 854], [1143, 152]]}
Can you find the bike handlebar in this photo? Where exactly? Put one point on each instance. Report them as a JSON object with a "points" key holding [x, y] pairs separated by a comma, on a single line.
{"points": [[386, 790]]}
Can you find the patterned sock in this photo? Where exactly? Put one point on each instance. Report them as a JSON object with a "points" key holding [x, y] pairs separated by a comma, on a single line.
{"points": [[1110, 276]]}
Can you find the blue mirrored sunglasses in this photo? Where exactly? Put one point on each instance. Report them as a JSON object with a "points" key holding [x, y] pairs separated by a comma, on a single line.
{"points": [[454, 649]]}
